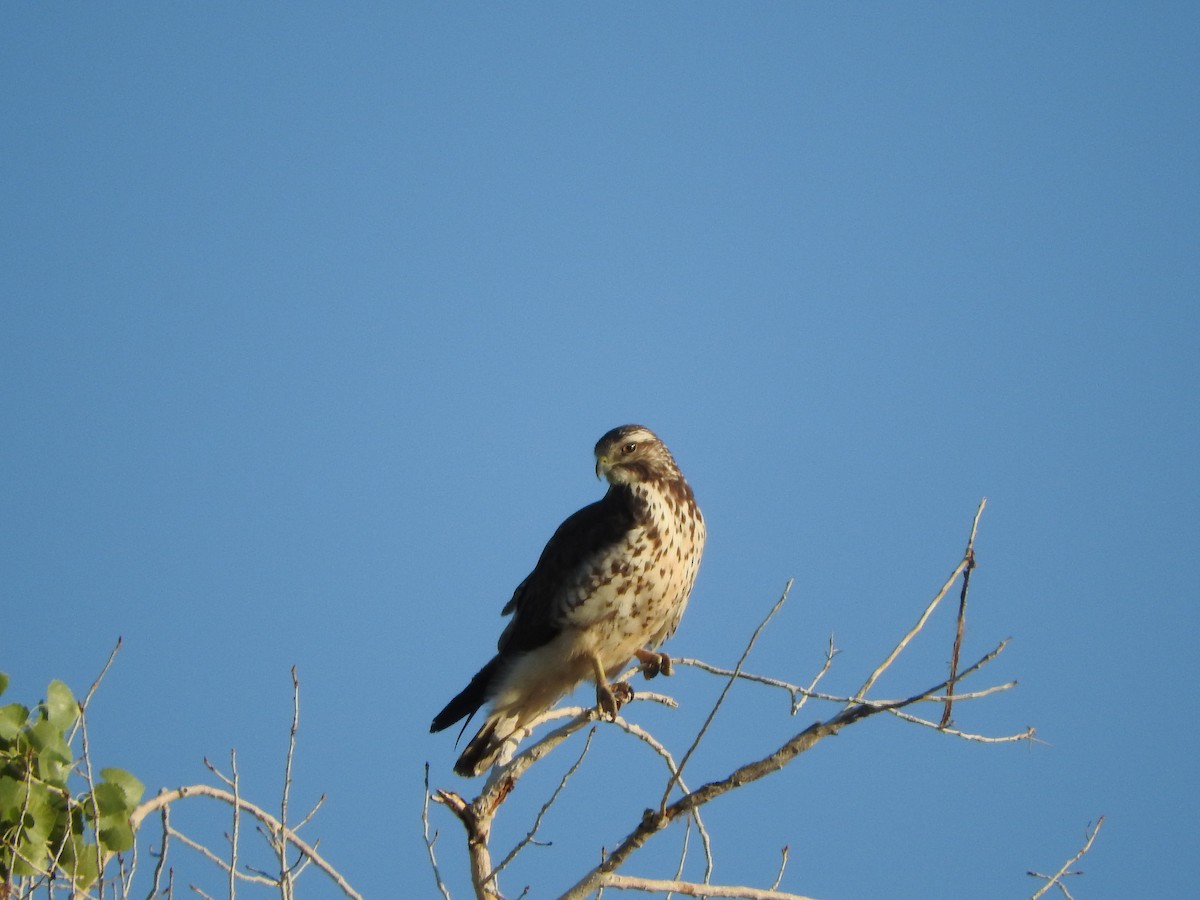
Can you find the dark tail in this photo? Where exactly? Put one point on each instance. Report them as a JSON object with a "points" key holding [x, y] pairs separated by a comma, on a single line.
{"points": [[468, 701], [485, 747]]}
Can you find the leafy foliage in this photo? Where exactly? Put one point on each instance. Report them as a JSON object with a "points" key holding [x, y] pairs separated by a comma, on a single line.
{"points": [[48, 827]]}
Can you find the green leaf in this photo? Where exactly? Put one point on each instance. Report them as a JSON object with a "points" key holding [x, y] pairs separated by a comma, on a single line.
{"points": [[79, 857], [130, 786], [12, 720], [31, 858], [42, 814], [12, 798], [3, 682], [61, 707], [117, 837], [53, 753], [110, 800], [116, 799], [30, 813]]}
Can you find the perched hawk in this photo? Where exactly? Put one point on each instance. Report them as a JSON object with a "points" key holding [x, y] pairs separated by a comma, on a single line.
{"points": [[611, 585]]}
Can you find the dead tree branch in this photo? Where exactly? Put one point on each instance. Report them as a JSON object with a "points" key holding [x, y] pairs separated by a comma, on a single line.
{"points": [[1055, 880], [969, 556], [654, 821], [273, 825], [692, 889]]}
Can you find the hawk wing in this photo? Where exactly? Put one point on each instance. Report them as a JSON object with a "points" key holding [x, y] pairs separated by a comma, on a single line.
{"points": [[540, 602]]}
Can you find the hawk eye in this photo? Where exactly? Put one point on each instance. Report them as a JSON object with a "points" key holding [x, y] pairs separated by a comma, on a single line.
{"points": [[629, 448]]}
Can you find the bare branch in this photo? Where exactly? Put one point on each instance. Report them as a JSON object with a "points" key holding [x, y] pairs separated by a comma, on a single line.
{"points": [[683, 850], [932, 605], [830, 652], [286, 885], [912, 632], [478, 831], [782, 866], [477, 815], [208, 764], [721, 698], [653, 742], [165, 798], [537, 822], [809, 694], [162, 852], [692, 889], [654, 821], [312, 812], [969, 556], [1056, 878], [99, 678], [1026, 735], [235, 783], [86, 756], [430, 841], [224, 866]]}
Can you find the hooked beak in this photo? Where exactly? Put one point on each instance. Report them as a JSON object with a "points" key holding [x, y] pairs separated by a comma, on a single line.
{"points": [[603, 463]]}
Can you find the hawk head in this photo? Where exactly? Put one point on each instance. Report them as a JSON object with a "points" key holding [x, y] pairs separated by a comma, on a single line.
{"points": [[633, 453]]}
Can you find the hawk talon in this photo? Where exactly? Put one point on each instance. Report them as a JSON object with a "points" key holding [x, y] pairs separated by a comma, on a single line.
{"points": [[611, 697], [622, 693], [654, 664]]}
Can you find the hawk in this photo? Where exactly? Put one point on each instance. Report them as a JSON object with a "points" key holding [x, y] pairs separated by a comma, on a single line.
{"points": [[610, 585]]}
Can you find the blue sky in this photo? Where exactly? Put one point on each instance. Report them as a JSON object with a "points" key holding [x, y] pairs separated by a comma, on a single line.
{"points": [[313, 313]]}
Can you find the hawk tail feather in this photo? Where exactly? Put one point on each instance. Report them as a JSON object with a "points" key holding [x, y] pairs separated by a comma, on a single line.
{"points": [[485, 747], [469, 699]]}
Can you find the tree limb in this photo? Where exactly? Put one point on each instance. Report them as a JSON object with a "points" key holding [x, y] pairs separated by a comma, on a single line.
{"points": [[692, 889], [654, 821], [1056, 878]]}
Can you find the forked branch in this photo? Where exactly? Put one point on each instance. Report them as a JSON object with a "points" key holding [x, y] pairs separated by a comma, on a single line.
{"points": [[1065, 871]]}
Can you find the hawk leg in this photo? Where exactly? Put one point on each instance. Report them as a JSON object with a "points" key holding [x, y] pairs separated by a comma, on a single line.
{"points": [[609, 697], [654, 663]]}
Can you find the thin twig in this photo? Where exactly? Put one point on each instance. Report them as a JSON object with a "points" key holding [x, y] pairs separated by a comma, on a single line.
{"points": [[537, 822], [830, 652], [286, 886], [782, 866], [96, 684], [91, 786], [162, 852], [1062, 872], [654, 821], [651, 741], [223, 865], [969, 556], [912, 632], [674, 779], [430, 841], [806, 693], [683, 851], [237, 819], [211, 766], [312, 812], [203, 790], [1026, 735], [127, 876]]}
